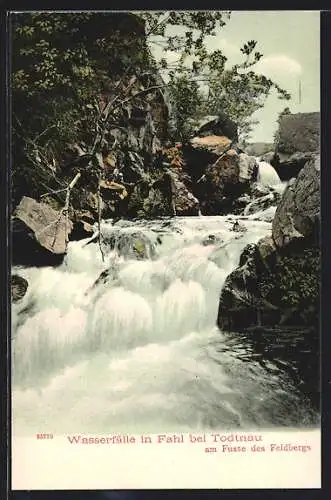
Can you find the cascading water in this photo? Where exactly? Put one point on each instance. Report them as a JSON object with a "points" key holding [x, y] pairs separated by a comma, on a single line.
{"points": [[136, 349], [267, 175]]}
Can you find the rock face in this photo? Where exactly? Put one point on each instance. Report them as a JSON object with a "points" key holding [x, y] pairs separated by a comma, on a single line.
{"points": [[159, 200], [40, 233], [184, 202], [277, 281], [298, 141], [19, 287], [220, 125], [220, 174], [297, 216], [299, 132], [168, 195]]}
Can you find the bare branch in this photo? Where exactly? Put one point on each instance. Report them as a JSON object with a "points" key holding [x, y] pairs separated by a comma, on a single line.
{"points": [[99, 219]]}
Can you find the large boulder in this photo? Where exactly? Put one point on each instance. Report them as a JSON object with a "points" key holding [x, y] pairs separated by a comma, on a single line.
{"points": [[40, 233], [288, 165], [130, 245], [278, 279], [298, 214], [220, 125], [213, 144], [220, 173], [298, 140]]}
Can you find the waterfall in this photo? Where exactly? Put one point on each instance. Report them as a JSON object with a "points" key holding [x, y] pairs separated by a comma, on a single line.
{"points": [[267, 175], [130, 344]]}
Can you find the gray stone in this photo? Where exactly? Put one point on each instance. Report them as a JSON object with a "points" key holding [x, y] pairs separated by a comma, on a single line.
{"points": [[298, 213], [19, 286], [38, 227]]}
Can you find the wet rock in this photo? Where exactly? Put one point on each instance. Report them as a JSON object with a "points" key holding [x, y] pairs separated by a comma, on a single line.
{"points": [[19, 286], [82, 226], [131, 245], [239, 228], [220, 173], [220, 185], [212, 239], [263, 202], [110, 275], [40, 234], [81, 231]]}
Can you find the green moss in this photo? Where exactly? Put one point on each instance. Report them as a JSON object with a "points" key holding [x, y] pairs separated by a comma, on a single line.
{"points": [[140, 247], [294, 282]]}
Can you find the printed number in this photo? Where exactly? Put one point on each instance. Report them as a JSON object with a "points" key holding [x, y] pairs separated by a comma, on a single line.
{"points": [[44, 436], [210, 450]]}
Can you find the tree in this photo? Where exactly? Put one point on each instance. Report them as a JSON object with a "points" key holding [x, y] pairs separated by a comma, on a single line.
{"points": [[78, 76], [237, 91], [277, 140]]}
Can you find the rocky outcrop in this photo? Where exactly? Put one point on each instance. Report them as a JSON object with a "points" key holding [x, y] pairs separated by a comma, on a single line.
{"points": [[40, 233], [219, 172], [167, 196], [299, 132], [19, 286], [289, 165], [277, 281], [220, 125], [298, 214], [298, 141]]}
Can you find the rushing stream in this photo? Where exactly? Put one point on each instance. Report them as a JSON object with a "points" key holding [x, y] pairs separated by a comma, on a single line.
{"points": [[139, 351]]}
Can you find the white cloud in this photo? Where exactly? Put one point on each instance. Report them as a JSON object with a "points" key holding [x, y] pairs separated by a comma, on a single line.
{"points": [[279, 64]]}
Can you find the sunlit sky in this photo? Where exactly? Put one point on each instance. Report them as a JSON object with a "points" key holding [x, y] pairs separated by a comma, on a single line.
{"points": [[290, 43]]}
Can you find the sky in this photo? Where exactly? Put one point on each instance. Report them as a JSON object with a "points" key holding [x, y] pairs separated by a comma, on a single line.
{"points": [[290, 44]]}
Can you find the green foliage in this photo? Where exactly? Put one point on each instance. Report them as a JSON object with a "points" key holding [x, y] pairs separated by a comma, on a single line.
{"points": [[62, 65], [277, 137], [65, 64], [294, 281], [238, 91], [186, 98]]}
